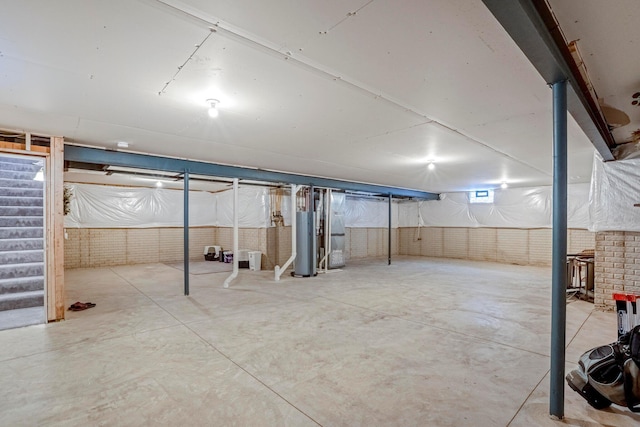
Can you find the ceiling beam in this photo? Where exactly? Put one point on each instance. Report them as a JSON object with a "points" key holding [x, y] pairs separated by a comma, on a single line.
{"points": [[81, 154], [532, 25]]}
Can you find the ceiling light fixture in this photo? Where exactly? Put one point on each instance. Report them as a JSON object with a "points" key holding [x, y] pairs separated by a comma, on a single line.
{"points": [[504, 185], [431, 166], [213, 107], [159, 184]]}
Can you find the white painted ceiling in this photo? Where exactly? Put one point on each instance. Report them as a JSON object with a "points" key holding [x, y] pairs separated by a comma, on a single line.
{"points": [[360, 90]]}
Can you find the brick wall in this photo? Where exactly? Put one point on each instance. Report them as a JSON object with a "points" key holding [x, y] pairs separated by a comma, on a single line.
{"points": [[617, 265], [370, 242], [506, 245], [104, 247], [98, 247]]}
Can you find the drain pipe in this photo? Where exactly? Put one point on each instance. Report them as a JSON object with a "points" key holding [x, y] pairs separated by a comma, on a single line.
{"points": [[279, 270], [235, 235], [327, 237], [324, 230], [328, 244]]}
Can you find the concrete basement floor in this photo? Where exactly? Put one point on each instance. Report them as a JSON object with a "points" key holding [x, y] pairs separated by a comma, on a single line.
{"points": [[424, 342]]}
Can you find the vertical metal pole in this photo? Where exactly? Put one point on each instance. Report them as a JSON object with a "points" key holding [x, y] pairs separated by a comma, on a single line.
{"points": [[186, 231], [312, 231], [328, 229], [236, 252], [389, 261], [559, 253]]}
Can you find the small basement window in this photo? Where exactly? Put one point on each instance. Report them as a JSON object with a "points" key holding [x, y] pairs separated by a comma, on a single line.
{"points": [[481, 196]]}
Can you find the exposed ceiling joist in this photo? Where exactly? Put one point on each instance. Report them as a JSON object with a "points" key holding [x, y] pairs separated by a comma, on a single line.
{"points": [[532, 26]]}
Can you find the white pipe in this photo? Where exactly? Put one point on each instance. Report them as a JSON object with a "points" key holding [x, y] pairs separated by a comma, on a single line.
{"points": [[328, 245], [278, 270], [324, 232], [235, 235], [327, 233]]}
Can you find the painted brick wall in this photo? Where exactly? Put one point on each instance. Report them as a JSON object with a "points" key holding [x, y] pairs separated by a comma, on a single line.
{"points": [[103, 247], [456, 243], [253, 239], [617, 265], [483, 244], [97, 247], [370, 242], [506, 245]]}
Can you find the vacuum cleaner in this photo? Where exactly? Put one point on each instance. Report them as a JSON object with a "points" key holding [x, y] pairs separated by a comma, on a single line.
{"points": [[610, 373]]}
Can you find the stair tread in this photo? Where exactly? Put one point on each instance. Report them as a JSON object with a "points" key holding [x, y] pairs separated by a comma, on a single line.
{"points": [[22, 228], [29, 264], [20, 280], [20, 295], [22, 240]]}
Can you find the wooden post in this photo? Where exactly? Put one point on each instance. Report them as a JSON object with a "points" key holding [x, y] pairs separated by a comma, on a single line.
{"points": [[55, 230]]}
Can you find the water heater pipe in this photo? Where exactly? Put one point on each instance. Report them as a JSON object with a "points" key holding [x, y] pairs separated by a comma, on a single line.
{"points": [[279, 270]]}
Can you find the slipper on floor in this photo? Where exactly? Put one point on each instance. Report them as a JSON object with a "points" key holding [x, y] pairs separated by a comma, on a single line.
{"points": [[79, 306]]}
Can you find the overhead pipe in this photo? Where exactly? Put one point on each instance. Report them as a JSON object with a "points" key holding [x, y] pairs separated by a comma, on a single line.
{"points": [[234, 274], [279, 270]]}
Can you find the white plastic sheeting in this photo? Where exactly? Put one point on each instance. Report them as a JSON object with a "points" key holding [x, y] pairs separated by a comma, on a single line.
{"points": [[512, 208], [100, 206], [362, 213], [615, 188], [253, 204]]}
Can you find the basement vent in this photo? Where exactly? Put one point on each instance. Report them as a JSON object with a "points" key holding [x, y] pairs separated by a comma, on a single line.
{"points": [[481, 196]]}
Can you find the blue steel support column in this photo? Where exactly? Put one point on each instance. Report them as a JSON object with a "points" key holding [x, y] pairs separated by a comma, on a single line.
{"points": [[312, 230], [186, 232], [559, 253], [389, 248]]}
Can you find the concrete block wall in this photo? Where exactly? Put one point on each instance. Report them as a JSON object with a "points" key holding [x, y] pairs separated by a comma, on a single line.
{"points": [[617, 266], [121, 246], [253, 239], [370, 242], [505, 245], [99, 247]]}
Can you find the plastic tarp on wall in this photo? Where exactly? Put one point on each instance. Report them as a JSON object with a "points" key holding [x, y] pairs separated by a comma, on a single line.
{"points": [[100, 206], [511, 208], [362, 213], [615, 188], [253, 204]]}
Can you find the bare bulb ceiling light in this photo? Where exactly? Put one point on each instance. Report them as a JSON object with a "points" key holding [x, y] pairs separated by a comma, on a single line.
{"points": [[504, 185], [431, 166], [213, 107]]}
